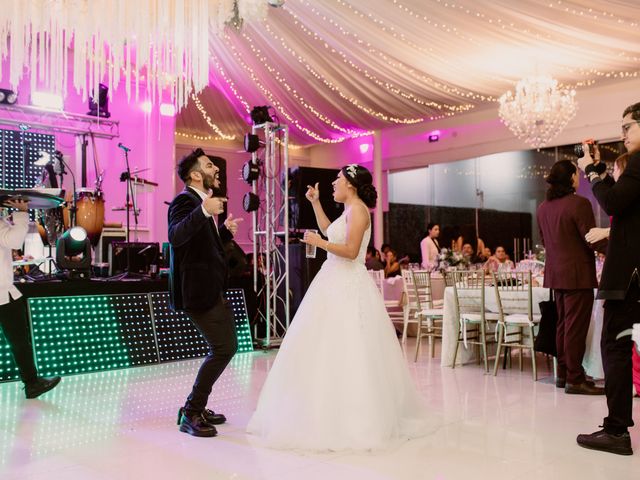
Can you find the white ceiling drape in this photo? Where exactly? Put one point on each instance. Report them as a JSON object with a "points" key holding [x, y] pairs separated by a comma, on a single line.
{"points": [[335, 69]]}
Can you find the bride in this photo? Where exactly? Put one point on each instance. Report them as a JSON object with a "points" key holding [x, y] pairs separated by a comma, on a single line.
{"points": [[340, 380]]}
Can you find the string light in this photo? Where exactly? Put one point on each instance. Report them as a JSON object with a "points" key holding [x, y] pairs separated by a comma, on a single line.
{"points": [[260, 56], [276, 104], [207, 118], [335, 89], [386, 85]]}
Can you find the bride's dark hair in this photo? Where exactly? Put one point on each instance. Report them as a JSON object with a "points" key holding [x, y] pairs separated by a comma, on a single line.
{"points": [[361, 178]]}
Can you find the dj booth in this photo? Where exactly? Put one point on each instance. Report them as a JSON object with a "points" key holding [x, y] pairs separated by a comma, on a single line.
{"points": [[81, 326]]}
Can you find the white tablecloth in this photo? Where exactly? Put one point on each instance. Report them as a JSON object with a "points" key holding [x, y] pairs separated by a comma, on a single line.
{"points": [[592, 361]]}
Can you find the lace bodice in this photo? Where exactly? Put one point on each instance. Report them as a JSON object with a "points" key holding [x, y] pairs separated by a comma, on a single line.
{"points": [[337, 233]]}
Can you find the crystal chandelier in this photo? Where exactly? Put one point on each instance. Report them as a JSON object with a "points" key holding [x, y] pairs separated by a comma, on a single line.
{"points": [[538, 110], [163, 44]]}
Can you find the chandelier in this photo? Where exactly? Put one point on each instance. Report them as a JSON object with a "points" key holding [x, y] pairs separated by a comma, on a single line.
{"points": [[163, 44], [538, 110]]}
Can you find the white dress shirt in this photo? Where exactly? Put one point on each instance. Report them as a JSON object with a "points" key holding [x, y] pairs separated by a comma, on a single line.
{"points": [[11, 238], [203, 196]]}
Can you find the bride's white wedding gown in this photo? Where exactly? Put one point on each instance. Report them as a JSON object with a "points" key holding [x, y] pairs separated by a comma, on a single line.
{"points": [[340, 381]]}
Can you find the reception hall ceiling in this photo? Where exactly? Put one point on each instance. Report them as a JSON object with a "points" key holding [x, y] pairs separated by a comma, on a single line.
{"points": [[336, 69]]}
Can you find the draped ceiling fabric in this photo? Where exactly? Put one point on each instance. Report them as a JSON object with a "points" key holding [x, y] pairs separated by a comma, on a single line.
{"points": [[335, 69]]}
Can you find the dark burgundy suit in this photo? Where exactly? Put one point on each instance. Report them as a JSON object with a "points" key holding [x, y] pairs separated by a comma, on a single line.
{"points": [[570, 271]]}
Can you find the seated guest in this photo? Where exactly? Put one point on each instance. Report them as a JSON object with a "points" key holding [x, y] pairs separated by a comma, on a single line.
{"points": [[372, 260], [485, 254], [392, 268], [467, 252], [384, 249], [499, 261], [429, 246]]}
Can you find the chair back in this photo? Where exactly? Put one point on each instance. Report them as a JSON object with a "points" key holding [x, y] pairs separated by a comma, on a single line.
{"points": [[422, 289], [514, 293], [468, 291], [378, 278]]}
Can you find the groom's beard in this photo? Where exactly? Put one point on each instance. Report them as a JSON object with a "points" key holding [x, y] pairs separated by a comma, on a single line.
{"points": [[211, 182]]}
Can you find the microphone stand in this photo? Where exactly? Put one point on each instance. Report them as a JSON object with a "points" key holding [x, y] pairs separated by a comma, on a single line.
{"points": [[128, 274]]}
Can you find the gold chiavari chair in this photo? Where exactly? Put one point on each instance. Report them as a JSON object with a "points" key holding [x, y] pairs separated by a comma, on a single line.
{"points": [[514, 295], [429, 317], [470, 312]]}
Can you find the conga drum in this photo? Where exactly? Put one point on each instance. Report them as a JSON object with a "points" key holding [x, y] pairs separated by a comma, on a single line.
{"points": [[90, 213]]}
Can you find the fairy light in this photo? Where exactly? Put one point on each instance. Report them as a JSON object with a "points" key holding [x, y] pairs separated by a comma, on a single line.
{"points": [[384, 84], [276, 104], [207, 119], [334, 88], [208, 138], [276, 74]]}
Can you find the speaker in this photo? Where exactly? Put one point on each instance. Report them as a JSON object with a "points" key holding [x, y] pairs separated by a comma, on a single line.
{"points": [[302, 271], [301, 216], [142, 255]]}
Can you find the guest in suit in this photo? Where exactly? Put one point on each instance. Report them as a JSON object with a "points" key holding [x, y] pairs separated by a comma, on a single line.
{"points": [[564, 219], [372, 259], [13, 309], [197, 281], [429, 246], [618, 286]]}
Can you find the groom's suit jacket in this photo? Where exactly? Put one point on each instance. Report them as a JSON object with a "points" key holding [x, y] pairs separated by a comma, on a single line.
{"points": [[198, 270]]}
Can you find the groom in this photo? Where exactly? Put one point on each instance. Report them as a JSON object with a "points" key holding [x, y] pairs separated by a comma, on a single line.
{"points": [[198, 279]]}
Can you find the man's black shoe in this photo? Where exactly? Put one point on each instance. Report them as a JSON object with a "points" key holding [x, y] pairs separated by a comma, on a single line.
{"points": [[561, 382], [606, 442], [213, 418], [40, 385], [196, 425], [584, 388]]}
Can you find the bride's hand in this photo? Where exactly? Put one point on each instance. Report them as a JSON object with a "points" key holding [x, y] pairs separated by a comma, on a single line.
{"points": [[312, 238], [313, 193]]}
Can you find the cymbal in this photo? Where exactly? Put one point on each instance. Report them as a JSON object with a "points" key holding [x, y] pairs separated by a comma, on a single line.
{"points": [[37, 200]]}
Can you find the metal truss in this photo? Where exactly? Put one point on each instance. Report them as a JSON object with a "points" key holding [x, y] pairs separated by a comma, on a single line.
{"points": [[271, 231]]}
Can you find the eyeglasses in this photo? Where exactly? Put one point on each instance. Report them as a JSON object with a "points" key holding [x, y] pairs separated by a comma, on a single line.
{"points": [[627, 126]]}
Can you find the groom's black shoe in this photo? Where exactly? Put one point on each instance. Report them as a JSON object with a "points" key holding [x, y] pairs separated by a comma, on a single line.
{"points": [[40, 385], [196, 425], [211, 417], [607, 442]]}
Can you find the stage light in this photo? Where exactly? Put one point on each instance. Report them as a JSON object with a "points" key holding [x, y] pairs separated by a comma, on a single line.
{"points": [[101, 107], [252, 143], [73, 252], [364, 148], [434, 136], [260, 115], [250, 172], [47, 100], [250, 202], [8, 96]]}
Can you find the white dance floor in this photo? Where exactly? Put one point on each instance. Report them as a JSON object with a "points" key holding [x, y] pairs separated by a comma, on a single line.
{"points": [[121, 425]]}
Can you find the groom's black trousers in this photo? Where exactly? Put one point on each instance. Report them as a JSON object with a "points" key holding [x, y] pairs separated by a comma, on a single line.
{"points": [[218, 329]]}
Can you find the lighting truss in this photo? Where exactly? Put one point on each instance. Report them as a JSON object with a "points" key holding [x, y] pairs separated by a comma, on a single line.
{"points": [[271, 231]]}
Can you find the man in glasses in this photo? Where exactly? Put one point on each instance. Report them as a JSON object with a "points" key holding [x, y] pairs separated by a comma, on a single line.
{"points": [[619, 286]]}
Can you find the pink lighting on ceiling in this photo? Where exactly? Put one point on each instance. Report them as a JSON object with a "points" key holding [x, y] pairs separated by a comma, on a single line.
{"points": [[364, 148]]}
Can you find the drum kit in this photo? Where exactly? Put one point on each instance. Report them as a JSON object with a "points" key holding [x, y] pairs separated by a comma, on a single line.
{"points": [[57, 212]]}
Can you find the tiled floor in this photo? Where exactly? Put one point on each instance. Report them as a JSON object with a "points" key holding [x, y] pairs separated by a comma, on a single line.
{"points": [[121, 425]]}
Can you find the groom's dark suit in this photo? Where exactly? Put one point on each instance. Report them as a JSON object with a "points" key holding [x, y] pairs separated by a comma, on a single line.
{"points": [[197, 281]]}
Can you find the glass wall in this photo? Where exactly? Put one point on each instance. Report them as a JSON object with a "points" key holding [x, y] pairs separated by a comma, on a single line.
{"points": [[504, 182]]}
